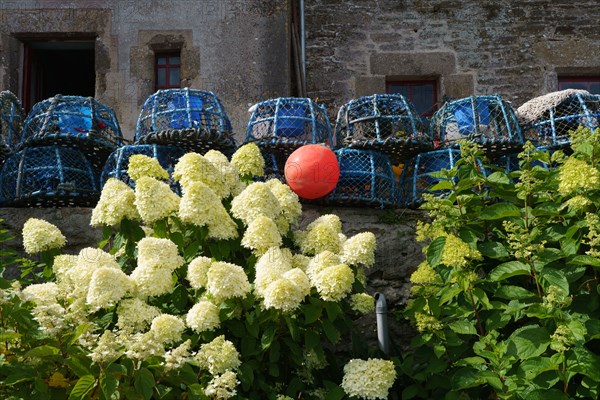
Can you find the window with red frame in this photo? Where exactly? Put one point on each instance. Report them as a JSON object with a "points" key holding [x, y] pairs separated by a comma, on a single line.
{"points": [[589, 83], [421, 93], [168, 68]]}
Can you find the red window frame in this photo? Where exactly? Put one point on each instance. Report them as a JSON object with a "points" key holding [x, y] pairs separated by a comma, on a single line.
{"points": [[167, 67], [564, 81], [412, 86]]}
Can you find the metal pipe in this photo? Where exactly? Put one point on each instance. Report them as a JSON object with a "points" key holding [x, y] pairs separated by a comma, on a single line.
{"points": [[381, 312], [302, 48]]}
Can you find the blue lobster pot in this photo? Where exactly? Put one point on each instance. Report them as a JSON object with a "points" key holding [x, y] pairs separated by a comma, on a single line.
{"points": [[11, 123], [48, 176], [75, 121], [387, 123], [487, 120], [118, 162], [366, 178], [553, 115], [189, 118]]}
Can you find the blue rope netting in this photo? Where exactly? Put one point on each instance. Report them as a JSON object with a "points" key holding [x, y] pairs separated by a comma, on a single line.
{"points": [[11, 123], [48, 176], [73, 121], [118, 162], [487, 120], [547, 119], [366, 178], [384, 122], [416, 177], [192, 119]]}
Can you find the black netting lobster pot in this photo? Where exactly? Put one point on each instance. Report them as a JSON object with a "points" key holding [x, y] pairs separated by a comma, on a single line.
{"points": [[73, 121], [487, 120], [189, 118], [547, 119], [417, 175], [48, 176], [366, 178], [118, 162], [11, 123], [383, 122]]}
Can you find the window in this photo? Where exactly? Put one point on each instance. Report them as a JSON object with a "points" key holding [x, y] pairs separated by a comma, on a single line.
{"points": [[52, 67], [168, 67], [422, 94], [589, 83]]}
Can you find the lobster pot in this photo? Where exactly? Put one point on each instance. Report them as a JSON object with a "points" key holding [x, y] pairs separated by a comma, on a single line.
{"points": [[11, 123], [73, 121], [383, 122], [48, 176], [486, 120], [118, 162], [192, 119], [416, 177], [366, 178], [547, 119]]}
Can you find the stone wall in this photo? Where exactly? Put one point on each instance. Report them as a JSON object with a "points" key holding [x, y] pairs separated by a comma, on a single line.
{"points": [[396, 257], [513, 48]]}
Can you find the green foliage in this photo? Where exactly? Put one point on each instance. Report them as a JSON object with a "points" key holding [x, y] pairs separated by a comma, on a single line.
{"points": [[515, 314]]}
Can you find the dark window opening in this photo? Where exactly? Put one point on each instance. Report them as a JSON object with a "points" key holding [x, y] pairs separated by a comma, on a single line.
{"points": [[55, 67], [589, 83], [168, 68], [421, 93]]}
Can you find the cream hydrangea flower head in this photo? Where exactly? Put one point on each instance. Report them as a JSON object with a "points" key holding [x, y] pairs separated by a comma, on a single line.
{"points": [[334, 283], [284, 295], [141, 165], [197, 274], [230, 173], [321, 261], [257, 199], [154, 199], [89, 260], [457, 253], [177, 357], [107, 287], [193, 167], [40, 293], [368, 379], [288, 200], [203, 316], [575, 175], [249, 160], [222, 387], [226, 281], [62, 264], [159, 253], [301, 261], [116, 204], [218, 356], [222, 227], [40, 235], [135, 315], [167, 328], [362, 303], [360, 249], [321, 237], [108, 348], [331, 220], [152, 281], [300, 279], [261, 234], [141, 346]]}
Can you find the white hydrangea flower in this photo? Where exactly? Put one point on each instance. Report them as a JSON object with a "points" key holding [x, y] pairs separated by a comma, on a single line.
{"points": [[218, 356], [107, 287], [320, 237], [271, 266], [152, 281], [222, 387], [229, 172], [370, 379], [141, 346], [51, 317], [249, 160], [256, 200], [40, 293], [40, 235], [261, 234], [141, 165], [286, 293], [226, 281], [116, 204], [334, 283], [167, 328], [135, 315], [197, 273], [177, 357], [330, 220], [159, 253], [154, 199], [321, 261], [203, 316], [108, 348], [193, 167], [362, 303], [360, 249], [288, 200], [62, 264]]}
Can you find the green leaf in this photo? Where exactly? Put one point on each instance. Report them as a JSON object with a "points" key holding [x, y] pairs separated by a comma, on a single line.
{"points": [[435, 251], [447, 293], [267, 338], [333, 310], [553, 277], [144, 383], [42, 351], [108, 384], [442, 185], [492, 250], [511, 292], [585, 260], [468, 377], [470, 361], [246, 374], [531, 368], [528, 341], [331, 332], [508, 270], [463, 327], [500, 211], [80, 330], [583, 361], [312, 312], [334, 392], [82, 387], [78, 365], [498, 178]]}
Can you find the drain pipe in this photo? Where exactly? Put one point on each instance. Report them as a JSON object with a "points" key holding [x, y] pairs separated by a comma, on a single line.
{"points": [[381, 312], [302, 48]]}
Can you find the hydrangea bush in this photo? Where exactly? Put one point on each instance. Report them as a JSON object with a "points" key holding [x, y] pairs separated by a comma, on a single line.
{"points": [[211, 295], [507, 303]]}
